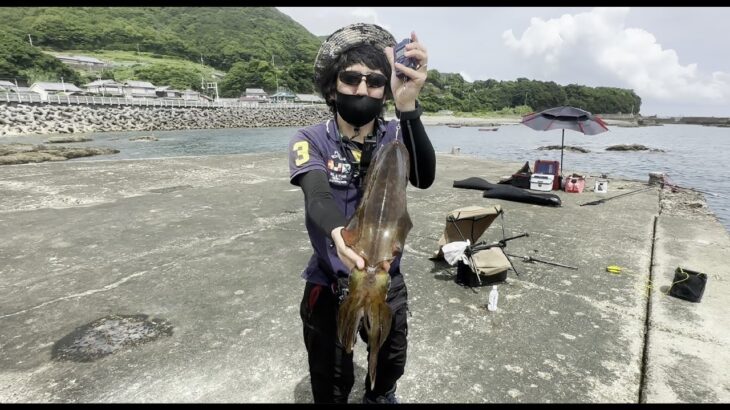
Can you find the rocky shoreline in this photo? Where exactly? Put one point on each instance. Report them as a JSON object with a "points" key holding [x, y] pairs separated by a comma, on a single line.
{"points": [[13, 154], [27, 119]]}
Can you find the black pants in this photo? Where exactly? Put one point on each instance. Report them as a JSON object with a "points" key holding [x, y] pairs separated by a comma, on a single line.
{"points": [[330, 368]]}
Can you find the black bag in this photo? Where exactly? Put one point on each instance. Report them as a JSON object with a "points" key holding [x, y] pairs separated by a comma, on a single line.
{"points": [[465, 276], [688, 284], [521, 180]]}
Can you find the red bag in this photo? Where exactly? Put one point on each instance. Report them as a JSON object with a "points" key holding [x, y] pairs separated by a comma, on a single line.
{"points": [[574, 183]]}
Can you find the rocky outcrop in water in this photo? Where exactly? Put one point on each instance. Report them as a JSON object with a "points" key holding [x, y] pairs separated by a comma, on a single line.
{"points": [[12, 154], [23, 119], [632, 147], [570, 148], [144, 138], [69, 138]]}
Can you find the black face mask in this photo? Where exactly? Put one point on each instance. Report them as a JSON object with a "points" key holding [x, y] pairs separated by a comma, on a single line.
{"points": [[358, 110]]}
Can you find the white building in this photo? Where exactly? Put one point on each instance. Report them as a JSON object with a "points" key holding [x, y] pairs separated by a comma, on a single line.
{"points": [[168, 92], [139, 89], [6, 85], [283, 96], [255, 94], [106, 88], [46, 89], [83, 62]]}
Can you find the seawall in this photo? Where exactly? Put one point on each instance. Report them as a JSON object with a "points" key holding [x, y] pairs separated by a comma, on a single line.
{"points": [[23, 119]]}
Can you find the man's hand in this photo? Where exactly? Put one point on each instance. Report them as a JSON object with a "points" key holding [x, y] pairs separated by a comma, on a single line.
{"points": [[344, 252], [406, 92]]}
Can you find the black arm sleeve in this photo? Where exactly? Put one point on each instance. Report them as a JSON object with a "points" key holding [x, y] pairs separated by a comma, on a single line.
{"points": [[422, 155], [320, 205]]}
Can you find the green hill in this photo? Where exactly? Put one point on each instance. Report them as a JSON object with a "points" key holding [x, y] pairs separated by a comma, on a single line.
{"points": [[221, 36], [156, 68]]}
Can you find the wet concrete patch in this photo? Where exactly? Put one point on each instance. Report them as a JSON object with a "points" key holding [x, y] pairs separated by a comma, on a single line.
{"points": [[108, 335], [170, 189]]}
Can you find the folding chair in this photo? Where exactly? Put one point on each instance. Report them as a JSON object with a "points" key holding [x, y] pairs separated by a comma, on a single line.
{"points": [[488, 263]]}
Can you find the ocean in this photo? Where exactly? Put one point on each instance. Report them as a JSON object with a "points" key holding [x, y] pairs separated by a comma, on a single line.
{"points": [[693, 156]]}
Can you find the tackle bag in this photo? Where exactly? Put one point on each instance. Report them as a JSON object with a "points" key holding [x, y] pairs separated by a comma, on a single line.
{"points": [[688, 285]]}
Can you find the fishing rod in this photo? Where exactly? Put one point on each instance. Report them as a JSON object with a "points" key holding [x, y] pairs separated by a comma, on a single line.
{"points": [[600, 201], [531, 259], [501, 244]]}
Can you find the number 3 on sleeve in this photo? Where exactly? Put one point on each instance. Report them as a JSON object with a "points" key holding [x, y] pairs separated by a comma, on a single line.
{"points": [[302, 150]]}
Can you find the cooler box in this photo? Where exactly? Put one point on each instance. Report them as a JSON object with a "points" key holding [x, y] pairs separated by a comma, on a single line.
{"points": [[601, 186], [542, 182], [551, 168]]}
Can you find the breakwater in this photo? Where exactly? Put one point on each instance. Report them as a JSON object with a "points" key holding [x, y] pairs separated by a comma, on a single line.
{"points": [[24, 119]]}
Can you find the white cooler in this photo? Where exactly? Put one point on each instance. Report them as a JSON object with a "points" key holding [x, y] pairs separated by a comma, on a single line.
{"points": [[542, 182]]}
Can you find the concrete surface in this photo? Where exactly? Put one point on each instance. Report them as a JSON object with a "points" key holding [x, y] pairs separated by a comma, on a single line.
{"points": [[215, 245]]}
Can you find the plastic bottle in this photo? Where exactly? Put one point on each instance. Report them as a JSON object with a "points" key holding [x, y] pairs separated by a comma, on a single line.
{"points": [[493, 296]]}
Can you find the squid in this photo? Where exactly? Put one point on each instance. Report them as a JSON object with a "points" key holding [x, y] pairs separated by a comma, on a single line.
{"points": [[377, 232]]}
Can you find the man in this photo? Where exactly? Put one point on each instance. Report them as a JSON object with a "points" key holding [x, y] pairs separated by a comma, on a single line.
{"points": [[355, 73]]}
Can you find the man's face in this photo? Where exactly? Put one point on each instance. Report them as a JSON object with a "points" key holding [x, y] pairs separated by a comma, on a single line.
{"points": [[370, 82]]}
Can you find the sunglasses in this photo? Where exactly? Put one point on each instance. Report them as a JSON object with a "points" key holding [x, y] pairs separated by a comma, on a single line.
{"points": [[373, 80]]}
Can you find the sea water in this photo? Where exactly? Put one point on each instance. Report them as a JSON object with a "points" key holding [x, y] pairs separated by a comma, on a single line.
{"points": [[693, 156]]}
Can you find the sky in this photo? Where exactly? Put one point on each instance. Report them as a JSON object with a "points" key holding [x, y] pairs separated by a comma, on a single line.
{"points": [[675, 58]]}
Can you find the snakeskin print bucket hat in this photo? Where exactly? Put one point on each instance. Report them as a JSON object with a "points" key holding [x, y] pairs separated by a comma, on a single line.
{"points": [[346, 38]]}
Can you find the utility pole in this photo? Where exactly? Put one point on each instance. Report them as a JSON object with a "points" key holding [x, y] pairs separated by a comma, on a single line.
{"points": [[202, 66], [30, 39]]}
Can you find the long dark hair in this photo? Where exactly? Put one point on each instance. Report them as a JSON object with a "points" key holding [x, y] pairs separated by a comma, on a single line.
{"points": [[366, 54]]}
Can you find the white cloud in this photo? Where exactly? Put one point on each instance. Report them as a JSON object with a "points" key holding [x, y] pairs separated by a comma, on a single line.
{"points": [[596, 48]]}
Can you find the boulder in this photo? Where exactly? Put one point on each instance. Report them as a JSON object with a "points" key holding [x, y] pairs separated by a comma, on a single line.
{"points": [[69, 138]]}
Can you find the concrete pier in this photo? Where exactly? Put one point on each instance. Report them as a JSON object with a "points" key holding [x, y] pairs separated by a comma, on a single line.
{"points": [[214, 247]]}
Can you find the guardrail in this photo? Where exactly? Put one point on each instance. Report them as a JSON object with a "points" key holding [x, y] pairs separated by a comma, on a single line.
{"points": [[22, 97], [139, 102]]}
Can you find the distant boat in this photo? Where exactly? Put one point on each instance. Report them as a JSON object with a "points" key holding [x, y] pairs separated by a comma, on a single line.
{"points": [[453, 125], [488, 129]]}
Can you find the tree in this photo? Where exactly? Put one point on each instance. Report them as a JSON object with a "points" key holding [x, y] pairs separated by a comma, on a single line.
{"points": [[298, 77], [19, 59], [252, 74], [163, 74]]}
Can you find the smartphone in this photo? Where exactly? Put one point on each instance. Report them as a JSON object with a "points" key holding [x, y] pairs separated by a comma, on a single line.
{"points": [[399, 55]]}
